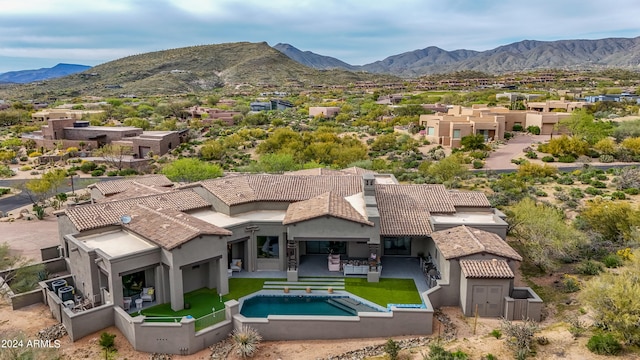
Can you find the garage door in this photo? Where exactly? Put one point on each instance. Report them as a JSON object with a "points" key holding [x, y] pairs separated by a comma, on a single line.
{"points": [[488, 300]]}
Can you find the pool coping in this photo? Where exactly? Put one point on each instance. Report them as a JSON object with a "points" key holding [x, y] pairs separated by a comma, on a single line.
{"points": [[316, 293]]}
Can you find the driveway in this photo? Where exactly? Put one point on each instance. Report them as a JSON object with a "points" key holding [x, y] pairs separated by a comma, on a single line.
{"points": [[500, 159]]}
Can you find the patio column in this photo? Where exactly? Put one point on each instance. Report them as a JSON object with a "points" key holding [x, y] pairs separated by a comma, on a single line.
{"points": [[177, 292], [223, 278]]}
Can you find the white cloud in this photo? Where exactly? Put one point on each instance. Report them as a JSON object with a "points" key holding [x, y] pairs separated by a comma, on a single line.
{"points": [[356, 31]]}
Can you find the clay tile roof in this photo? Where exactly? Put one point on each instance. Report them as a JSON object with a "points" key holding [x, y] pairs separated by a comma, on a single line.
{"points": [[94, 216], [322, 205], [135, 190], [317, 171], [486, 269], [463, 241], [236, 190], [405, 209], [120, 185], [469, 199], [169, 228]]}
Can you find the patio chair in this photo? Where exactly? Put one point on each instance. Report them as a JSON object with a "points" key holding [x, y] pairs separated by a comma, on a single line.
{"points": [[333, 262], [236, 265], [148, 294]]}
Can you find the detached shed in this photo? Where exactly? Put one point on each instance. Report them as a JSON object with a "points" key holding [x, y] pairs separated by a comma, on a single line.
{"points": [[478, 268], [484, 284]]}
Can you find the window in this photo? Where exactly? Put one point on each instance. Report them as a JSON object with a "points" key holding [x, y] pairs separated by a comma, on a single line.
{"points": [[431, 130], [268, 247], [456, 134], [397, 245]]}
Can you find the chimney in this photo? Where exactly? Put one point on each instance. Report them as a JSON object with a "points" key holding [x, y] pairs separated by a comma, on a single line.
{"points": [[368, 184]]}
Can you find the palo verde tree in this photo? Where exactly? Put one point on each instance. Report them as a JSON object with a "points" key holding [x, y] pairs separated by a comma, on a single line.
{"points": [[191, 170], [24, 276], [614, 299], [543, 234]]}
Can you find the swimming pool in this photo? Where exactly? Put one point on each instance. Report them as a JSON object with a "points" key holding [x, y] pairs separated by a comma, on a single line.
{"points": [[261, 306]]}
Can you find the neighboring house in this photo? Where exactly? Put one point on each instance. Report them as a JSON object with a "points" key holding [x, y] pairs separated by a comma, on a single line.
{"points": [[556, 105], [277, 104], [212, 114], [46, 115], [182, 239], [67, 132], [618, 98], [323, 111], [448, 129]]}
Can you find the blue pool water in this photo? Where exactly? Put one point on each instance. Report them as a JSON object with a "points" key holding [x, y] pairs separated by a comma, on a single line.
{"points": [[261, 306]]}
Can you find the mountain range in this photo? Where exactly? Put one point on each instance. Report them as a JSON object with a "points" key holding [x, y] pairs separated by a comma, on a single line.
{"points": [[519, 56], [244, 65], [27, 76]]}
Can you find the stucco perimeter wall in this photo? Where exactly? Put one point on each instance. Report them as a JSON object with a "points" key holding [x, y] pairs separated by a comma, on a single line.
{"points": [[396, 323], [170, 337], [87, 322]]}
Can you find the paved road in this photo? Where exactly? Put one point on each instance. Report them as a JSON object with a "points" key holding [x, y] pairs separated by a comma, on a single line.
{"points": [[22, 199]]}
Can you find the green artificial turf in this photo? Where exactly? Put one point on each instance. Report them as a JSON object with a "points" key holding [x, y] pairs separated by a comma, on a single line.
{"points": [[239, 287], [201, 301], [387, 291]]}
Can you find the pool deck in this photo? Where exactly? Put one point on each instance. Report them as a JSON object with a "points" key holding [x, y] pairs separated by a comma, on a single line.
{"points": [[316, 266]]}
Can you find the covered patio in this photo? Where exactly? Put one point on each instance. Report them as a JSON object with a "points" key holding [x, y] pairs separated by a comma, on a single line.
{"points": [[316, 266]]}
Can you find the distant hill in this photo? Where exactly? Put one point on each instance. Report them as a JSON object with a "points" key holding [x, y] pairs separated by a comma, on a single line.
{"points": [[313, 60], [519, 56], [194, 69], [27, 76]]}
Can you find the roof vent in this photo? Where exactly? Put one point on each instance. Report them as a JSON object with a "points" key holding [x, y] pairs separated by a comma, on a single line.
{"points": [[125, 219]]}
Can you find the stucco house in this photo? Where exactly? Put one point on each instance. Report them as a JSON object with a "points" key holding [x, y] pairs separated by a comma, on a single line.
{"points": [[177, 239], [69, 132]]}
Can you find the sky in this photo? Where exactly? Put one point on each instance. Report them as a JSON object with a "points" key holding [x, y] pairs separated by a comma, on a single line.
{"points": [[42, 33]]}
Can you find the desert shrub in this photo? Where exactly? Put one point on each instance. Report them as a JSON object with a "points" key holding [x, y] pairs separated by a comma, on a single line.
{"points": [[488, 357], [602, 177], [507, 135], [246, 341], [632, 191], [618, 195], [517, 127], [520, 336], [598, 184], [531, 155], [535, 130], [480, 155], [437, 352], [593, 191], [24, 158], [570, 284], [6, 171], [589, 267], [392, 348], [35, 154], [612, 261], [4, 191], [25, 168], [577, 327], [576, 193], [127, 172], [108, 343], [518, 161], [541, 193], [625, 254], [606, 158], [566, 158], [112, 173], [548, 158], [565, 180], [477, 164], [604, 344], [97, 172], [88, 166], [496, 333]]}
